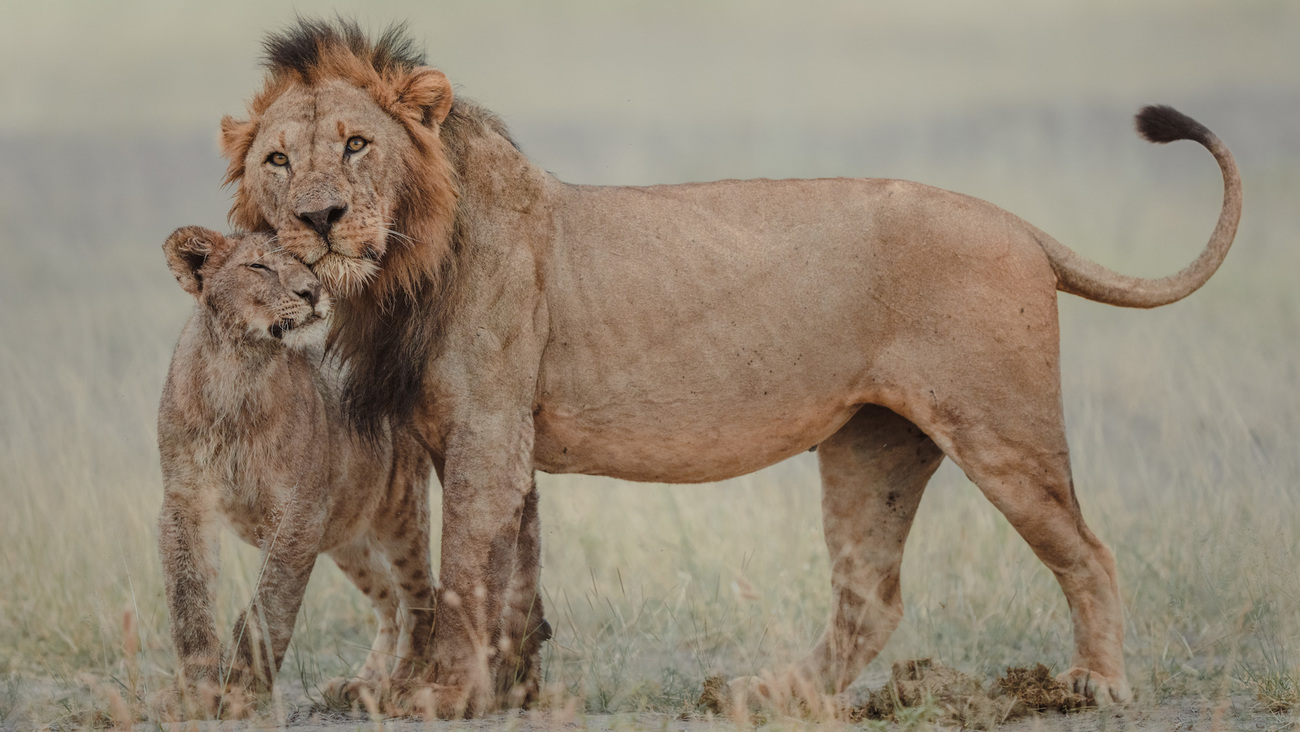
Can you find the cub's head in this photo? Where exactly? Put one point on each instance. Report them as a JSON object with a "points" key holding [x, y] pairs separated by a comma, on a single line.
{"points": [[250, 286], [341, 156]]}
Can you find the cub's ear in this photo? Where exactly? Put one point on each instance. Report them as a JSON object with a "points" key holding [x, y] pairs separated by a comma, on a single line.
{"points": [[425, 95], [188, 249]]}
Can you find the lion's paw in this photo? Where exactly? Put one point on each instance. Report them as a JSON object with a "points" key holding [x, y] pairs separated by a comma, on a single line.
{"points": [[1101, 690], [787, 694]]}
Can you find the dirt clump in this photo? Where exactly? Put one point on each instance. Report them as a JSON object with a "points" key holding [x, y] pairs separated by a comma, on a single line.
{"points": [[945, 694], [926, 690], [714, 697], [1036, 690]]}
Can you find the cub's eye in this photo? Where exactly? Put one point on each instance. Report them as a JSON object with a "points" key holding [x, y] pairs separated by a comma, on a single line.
{"points": [[356, 144], [258, 265], [278, 159]]}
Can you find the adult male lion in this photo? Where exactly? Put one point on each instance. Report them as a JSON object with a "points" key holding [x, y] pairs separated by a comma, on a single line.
{"points": [[679, 334]]}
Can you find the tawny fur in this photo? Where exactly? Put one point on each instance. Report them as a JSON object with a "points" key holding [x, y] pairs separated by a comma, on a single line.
{"points": [[693, 333], [250, 432]]}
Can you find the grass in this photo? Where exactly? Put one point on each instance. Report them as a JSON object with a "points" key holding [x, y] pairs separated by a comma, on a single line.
{"points": [[1181, 423]]}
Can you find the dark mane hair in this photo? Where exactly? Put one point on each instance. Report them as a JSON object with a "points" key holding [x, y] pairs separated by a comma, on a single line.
{"points": [[388, 344], [386, 351], [297, 49]]}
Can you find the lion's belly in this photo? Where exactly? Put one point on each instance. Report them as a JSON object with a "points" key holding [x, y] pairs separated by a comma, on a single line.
{"points": [[689, 343], [678, 445]]}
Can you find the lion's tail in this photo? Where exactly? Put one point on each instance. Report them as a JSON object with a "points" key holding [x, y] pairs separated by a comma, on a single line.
{"points": [[1079, 276]]}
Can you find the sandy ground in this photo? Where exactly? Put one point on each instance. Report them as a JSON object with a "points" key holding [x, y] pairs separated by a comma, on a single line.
{"points": [[1189, 714], [296, 711], [1184, 715]]}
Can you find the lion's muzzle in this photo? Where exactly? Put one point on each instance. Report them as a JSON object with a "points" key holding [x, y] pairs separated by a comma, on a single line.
{"points": [[322, 220]]}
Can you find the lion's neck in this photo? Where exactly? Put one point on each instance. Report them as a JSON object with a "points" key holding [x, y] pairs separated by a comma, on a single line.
{"points": [[388, 335], [515, 182]]}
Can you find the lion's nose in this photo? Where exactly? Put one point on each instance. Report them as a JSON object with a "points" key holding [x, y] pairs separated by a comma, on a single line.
{"points": [[321, 221], [310, 293]]}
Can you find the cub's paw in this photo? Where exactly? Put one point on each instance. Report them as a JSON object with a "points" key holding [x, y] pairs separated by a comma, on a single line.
{"points": [[741, 694], [346, 692], [434, 701], [1103, 691]]}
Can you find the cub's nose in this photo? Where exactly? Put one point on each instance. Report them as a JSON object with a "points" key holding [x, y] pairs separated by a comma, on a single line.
{"points": [[310, 293], [323, 220]]}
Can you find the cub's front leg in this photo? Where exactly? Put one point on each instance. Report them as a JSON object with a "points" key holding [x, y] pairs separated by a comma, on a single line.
{"points": [[187, 547], [290, 544]]}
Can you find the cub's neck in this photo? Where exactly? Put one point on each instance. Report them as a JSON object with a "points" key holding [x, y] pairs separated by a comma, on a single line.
{"points": [[241, 376]]}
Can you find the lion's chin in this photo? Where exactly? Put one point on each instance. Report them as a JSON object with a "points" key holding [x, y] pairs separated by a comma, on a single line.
{"points": [[345, 276]]}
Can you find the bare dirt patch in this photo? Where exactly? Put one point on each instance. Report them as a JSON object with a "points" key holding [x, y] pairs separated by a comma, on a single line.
{"points": [[927, 690], [957, 698]]}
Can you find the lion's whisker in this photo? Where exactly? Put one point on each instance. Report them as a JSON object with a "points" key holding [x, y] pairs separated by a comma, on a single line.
{"points": [[405, 237]]}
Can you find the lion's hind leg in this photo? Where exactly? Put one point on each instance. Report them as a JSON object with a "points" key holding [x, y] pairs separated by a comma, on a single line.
{"points": [[366, 568], [1011, 443], [874, 471]]}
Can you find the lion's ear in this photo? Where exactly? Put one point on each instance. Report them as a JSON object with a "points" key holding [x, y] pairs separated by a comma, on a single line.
{"points": [[236, 138], [188, 249], [425, 95]]}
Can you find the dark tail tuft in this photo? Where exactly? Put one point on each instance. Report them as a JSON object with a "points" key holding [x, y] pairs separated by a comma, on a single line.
{"points": [[1160, 123]]}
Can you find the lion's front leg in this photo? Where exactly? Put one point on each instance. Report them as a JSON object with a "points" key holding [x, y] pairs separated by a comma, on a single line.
{"points": [[524, 626], [483, 504]]}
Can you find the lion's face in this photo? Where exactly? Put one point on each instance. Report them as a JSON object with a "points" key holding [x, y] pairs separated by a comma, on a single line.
{"points": [[250, 285], [345, 164], [324, 170]]}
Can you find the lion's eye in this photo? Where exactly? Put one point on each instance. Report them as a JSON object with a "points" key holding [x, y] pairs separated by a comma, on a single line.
{"points": [[258, 265], [356, 144], [278, 159]]}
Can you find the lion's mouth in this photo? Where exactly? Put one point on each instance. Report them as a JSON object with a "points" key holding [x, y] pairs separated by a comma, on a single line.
{"points": [[368, 251]]}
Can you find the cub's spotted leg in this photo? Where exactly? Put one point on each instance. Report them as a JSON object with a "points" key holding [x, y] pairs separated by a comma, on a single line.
{"points": [[402, 530], [364, 565], [874, 471], [261, 634], [524, 628]]}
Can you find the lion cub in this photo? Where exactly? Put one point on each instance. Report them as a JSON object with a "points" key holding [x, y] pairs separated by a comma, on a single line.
{"points": [[250, 431]]}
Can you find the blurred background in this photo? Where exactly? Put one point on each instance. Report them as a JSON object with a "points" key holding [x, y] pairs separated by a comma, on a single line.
{"points": [[1182, 420]]}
